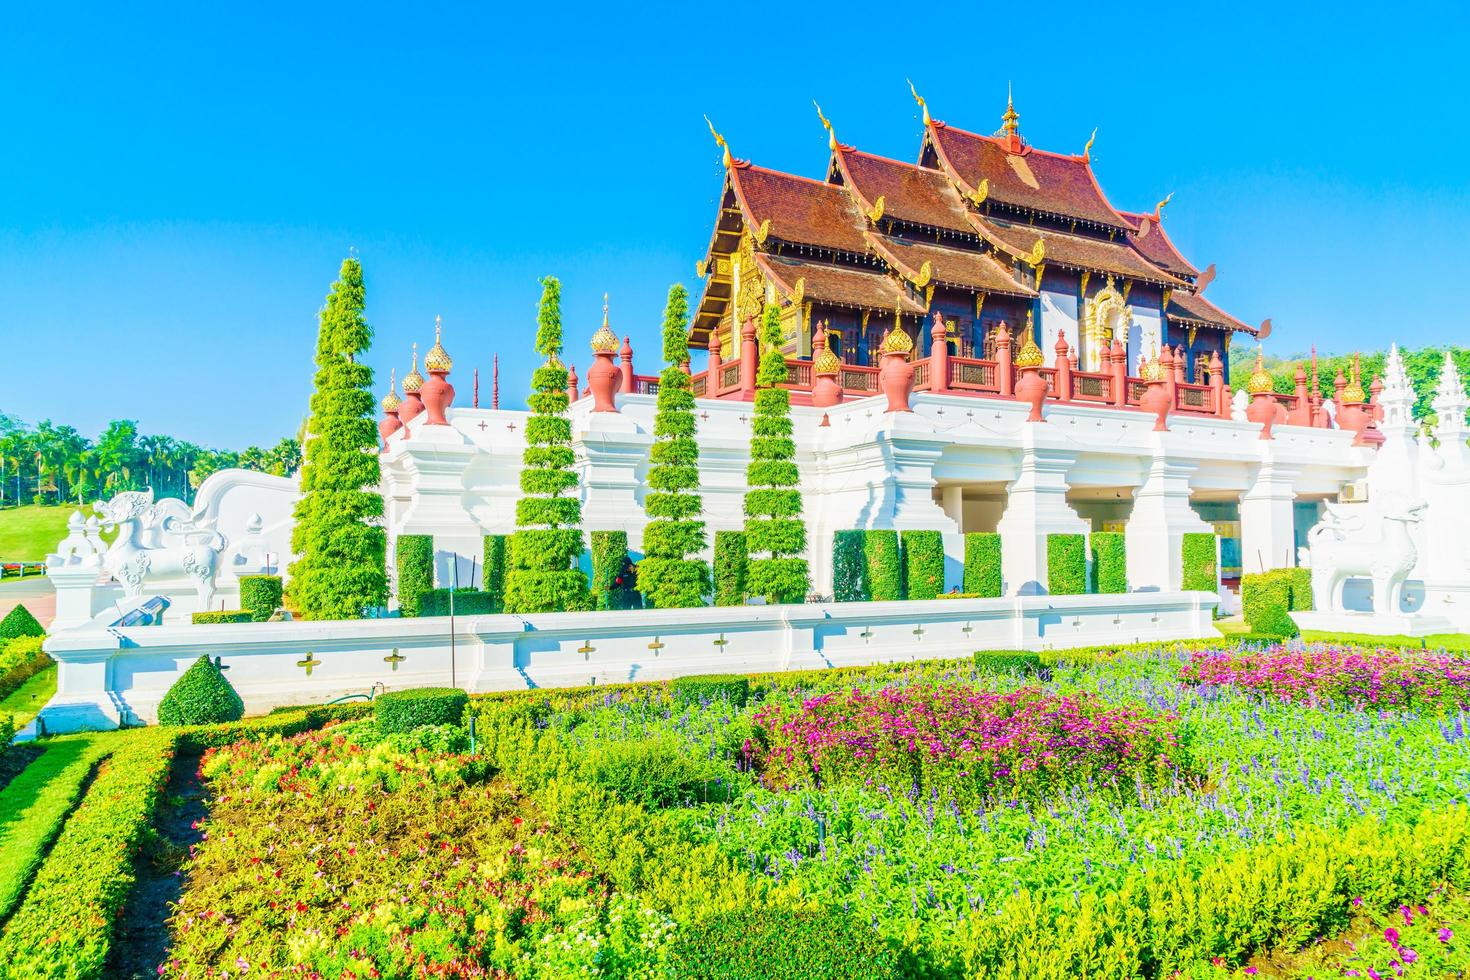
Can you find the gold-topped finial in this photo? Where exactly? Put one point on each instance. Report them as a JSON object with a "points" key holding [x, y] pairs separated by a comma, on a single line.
{"points": [[437, 359], [827, 362], [391, 401], [1151, 368], [1354, 391], [413, 381], [1010, 123], [1029, 356], [1259, 382], [604, 341], [827, 125], [720, 141], [920, 99]]}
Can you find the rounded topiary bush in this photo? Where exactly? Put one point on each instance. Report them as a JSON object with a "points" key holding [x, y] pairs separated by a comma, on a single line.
{"points": [[403, 711], [781, 944], [1275, 621], [19, 622], [260, 595], [201, 696]]}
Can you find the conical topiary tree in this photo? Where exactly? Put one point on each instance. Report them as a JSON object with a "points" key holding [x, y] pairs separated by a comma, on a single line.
{"points": [[671, 575], [19, 622], [543, 575], [201, 696], [774, 532], [338, 534]]}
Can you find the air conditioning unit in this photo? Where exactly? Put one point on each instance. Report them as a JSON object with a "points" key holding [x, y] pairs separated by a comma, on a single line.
{"points": [[1353, 493]]}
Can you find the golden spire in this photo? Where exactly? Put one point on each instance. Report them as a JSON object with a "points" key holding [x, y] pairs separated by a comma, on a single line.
{"points": [[1087, 150], [1354, 391], [1029, 355], [920, 99], [413, 381], [720, 141], [831, 136], [604, 341], [1011, 121], [437, 359], [826, 362], [897, 341], [391, 401], [1259, 381]]}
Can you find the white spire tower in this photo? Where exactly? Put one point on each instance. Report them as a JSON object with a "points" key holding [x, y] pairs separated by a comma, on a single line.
{"points": [[1397, 397], [1449, 405]]}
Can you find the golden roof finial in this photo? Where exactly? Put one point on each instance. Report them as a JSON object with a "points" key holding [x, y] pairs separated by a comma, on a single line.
{"points": [[919, 99], [1087, 150], [1159, 208], [604, 341], [1259, 381], [826, 124], [437, 359], [391, 401], [413, 381], [719, 141], [1011, 121]]}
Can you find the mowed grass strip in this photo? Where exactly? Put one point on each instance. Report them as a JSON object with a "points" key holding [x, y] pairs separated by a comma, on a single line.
{"points": [[34, 806], [26, 701], [65, 925]]}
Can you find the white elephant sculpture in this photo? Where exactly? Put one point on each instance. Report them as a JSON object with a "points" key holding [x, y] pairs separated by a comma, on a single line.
{"points": [[159, 545], [1340, 549]]}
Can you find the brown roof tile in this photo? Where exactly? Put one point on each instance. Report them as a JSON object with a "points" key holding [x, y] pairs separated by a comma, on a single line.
{"points": [[1056, 183], [1156, 246], [950, 266], [1192, 307], [806, 212], [838, 284], [917, 195], [1099, 255]]}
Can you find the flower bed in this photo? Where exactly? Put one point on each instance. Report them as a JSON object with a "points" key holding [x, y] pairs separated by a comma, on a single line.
{"points": [[1354, 676], [965, 742]]}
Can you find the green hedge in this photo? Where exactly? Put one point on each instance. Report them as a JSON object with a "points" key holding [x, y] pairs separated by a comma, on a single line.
{"points": [[216, 616], [1109, 562], [415, 554], [1066, 564], [19, 622], [731, 560], [923, 560], [21, 659], [773, 943], [492, 577], [1267, 597], [849, 568], [884, 565], [261, 595], [614, 578], [201, 696], [982, 564], [695, 688], [1008, 662], [1197, 553], [467, 602], [403, 711]]}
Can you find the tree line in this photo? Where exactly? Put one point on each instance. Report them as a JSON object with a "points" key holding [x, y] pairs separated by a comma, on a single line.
{"points": [[1422, 367], [53, 464]]}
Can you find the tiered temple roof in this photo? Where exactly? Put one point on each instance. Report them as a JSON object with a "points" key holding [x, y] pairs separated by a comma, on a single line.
{"points": [[980, 215]]}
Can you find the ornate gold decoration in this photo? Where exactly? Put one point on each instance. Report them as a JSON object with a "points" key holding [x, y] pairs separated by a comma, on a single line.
{"points": [[979, 304], [1354, 391], [1193, 332], [1159, 208], [720, 142], [981, 192], [1168, 295], [1127, 287], [1260, 381], [928, 294], [604, 341], [1029, 356], [1086, 277], [876, 211], [1087, 150], [827, 362], [831, 136], [1040, 268], [798, 292], [1152, 369], [896, 341], [391, 401], [866, 314], [1108, 316], [1225, 343], [763, 232], [926, 274], [920, 99], [413, 381], [749, 285], [806, 318], [1038, 254], [701, 267], [1010, 123], [437, 359]]}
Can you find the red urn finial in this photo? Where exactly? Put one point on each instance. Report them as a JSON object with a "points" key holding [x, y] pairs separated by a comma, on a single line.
{"points": [[413, 403], [437, 392]]}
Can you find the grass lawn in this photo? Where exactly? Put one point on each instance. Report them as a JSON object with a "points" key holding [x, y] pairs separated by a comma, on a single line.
{"points": [[29, 533], [26, 701], [1438, 641]]}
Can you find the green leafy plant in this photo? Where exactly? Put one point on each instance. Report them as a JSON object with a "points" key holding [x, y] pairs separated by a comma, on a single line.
{"points": [[213, 617], [731, 562], [1009, 662], [774, 532], [923, 557], [19, 622], [656, 773], [342, 571], [614, 577], [543, 575], [671, 574], [781, 944], [467, 602], [1197, 552], [21, 658], [493, 575], [201, 696], [1109, 562], [415, 557], [403, 711], [1066, 564], [884, 566], [261, 595], [1267, 597], [696, 688], [849, 568], [982, 564]]}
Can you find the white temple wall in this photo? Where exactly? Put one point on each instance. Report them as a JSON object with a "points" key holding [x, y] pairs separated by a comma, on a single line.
{"points": [[1058, 314]]}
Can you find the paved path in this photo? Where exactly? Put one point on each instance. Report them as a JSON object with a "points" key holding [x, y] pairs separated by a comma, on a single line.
{"points": [[34, 592]]}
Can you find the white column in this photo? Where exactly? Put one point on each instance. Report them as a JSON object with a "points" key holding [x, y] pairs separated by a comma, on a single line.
{"points": [[1267, 521], [77, 593], [952, 500], [1161, 517], [1036, 506], [612, 455]]}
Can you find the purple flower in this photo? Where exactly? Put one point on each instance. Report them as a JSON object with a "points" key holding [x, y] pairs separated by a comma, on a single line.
{"points": [[1392, 935], [1445, 934]]}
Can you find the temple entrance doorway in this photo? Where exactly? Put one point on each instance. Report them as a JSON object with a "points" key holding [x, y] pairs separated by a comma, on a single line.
{"points": [[1103, 508], [973, 506]]}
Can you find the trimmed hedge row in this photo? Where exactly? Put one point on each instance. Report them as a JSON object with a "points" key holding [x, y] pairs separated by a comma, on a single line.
{"points": [[614, 577], [467, 602], [415, 557], [731, 560], [982, 564], [1066, 564], [781, 944], [492, 575], [260, 595], [849, 567], [21, 659], [884, 563], [19, 622], [1266, 598], [214, 617], [403, 711], [1109, 563], [1197, 554], [923, 564]]}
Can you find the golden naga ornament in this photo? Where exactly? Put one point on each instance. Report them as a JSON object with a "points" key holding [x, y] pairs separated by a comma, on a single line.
{"points": [[763, 232], [604, 341], [1038, 254], [875, 213], [925, 275], [920, 99], [1087, 150], [981, 192], [720, 142]]}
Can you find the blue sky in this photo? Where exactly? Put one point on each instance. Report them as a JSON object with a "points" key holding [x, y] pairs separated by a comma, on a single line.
{"points": [[180, 185]]}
